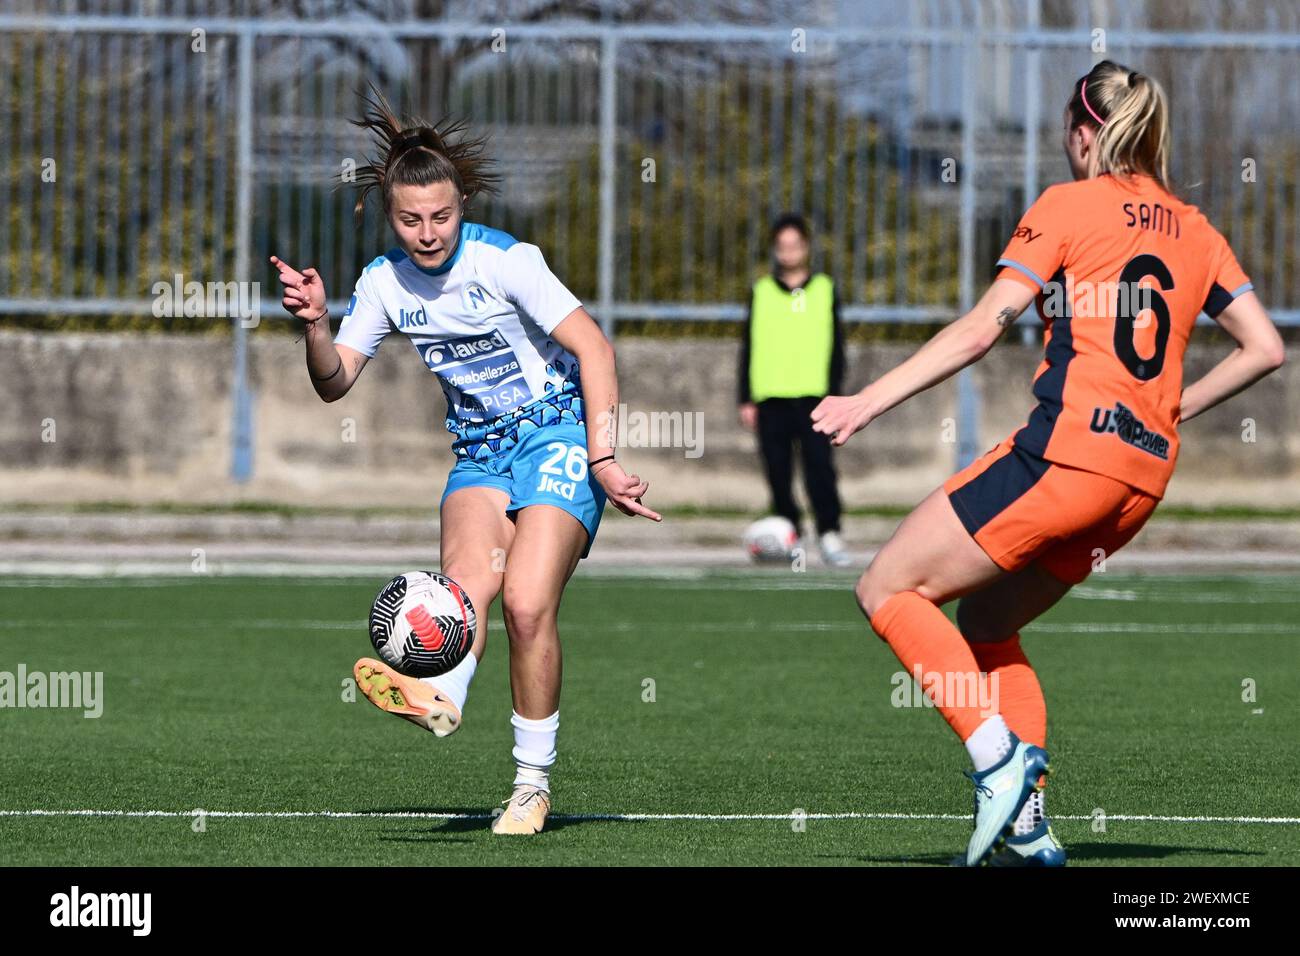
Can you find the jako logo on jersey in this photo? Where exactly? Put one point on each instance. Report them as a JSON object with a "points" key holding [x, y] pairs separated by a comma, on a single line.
{"points": [[352, 304], [476, 297], [1025, 233], [1130, 430], [413, 319]]}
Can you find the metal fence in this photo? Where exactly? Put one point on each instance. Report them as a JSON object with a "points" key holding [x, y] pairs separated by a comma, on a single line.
{"points": [[646, 159]]}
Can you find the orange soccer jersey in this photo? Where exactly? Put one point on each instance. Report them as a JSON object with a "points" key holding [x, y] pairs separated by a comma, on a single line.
{"points": [[1123, 268]]}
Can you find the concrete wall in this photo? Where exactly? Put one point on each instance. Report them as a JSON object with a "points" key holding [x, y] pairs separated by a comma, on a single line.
{"points": [[147, 418]]}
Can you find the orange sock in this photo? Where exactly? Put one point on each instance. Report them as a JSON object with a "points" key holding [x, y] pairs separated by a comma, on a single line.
{"points": [[925, 640], [1020, 698]]}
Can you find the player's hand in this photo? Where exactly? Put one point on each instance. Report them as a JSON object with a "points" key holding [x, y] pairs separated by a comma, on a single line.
{"points": [[749, 415], [840, 416], [304, 292], [624, 490]]}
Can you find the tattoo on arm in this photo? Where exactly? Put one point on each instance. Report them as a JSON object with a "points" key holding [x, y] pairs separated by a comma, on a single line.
{"points": [[1006, 318], [611, 429]]}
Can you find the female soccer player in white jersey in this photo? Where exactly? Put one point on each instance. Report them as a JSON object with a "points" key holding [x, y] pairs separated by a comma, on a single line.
{"points": [[531, 394]]}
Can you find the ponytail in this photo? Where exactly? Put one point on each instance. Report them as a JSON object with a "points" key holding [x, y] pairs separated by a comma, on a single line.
{"points": [[413, 153], [1131, 115]]}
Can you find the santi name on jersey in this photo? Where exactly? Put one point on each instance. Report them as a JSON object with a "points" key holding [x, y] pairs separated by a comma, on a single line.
{"points": [[1154, 217], [1122, 423]]}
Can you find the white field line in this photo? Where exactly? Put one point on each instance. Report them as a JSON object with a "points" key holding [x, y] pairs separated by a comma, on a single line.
{"points": [[614, 817]]}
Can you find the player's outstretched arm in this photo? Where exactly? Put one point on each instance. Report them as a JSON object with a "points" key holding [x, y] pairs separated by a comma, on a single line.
{"points": [[332, 368], [581, 336], [1259, 351], [957, 345]]}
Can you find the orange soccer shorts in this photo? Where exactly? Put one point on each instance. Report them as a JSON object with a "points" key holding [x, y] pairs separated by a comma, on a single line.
{"points": [[1021, 508]]}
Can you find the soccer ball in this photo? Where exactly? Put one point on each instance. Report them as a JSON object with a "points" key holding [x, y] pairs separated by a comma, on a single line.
{"points": [[771, 539], [422, 623]]}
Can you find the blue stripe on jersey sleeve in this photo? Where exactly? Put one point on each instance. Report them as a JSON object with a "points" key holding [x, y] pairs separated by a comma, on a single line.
{"points": [[1012, 264], [392, 255], [493, 237]]}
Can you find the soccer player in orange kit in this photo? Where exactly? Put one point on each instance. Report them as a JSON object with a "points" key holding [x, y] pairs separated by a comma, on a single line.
{"points": [[1121, 267]]}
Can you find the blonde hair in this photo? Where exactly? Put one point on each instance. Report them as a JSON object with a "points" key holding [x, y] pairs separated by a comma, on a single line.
{"points": [[1131, 115]]}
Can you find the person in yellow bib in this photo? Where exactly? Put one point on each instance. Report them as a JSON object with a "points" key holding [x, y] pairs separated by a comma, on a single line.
{"points": [[792, 356]]}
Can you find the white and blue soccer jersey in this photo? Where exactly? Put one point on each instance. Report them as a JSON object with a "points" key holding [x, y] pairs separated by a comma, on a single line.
{"points": [[481, 322]]}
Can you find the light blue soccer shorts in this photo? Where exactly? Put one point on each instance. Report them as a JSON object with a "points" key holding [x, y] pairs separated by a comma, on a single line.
{"points": [[547, 466]]}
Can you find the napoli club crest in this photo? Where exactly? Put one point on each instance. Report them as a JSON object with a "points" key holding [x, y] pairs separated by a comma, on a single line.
{"points": [[475, 297]]}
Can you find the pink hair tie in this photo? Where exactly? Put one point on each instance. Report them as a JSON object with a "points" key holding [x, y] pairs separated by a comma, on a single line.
{"points": [[1083, 95]]}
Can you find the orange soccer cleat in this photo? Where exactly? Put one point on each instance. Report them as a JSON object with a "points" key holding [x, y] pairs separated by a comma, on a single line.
{"points": [[407, 697]]}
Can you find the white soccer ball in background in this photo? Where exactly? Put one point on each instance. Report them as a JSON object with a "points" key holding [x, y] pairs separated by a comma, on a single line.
{"points": [[422, 623], [771, 539]]}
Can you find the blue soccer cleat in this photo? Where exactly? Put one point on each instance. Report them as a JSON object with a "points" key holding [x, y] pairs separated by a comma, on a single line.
{"points": [[1000, 793], [1038, 847]]}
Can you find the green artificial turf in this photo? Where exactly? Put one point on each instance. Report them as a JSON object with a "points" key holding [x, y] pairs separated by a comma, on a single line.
{"points": [[770, 697]]}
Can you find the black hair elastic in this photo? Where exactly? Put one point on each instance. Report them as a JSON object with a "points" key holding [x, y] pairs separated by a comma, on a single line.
{"points": [[590, 464]]}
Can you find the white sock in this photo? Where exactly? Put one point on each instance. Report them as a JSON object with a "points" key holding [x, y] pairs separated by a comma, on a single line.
{"points": [[534, 748], [990, 742], [455, 683], [1033, 813]]}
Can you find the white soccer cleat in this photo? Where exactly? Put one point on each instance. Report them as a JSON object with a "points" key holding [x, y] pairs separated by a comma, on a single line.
{"points": [[1000, 793], [525, 811]]}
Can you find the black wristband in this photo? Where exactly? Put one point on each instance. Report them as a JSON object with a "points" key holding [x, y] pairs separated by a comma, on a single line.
{"points": [[591, 464], [330, 375], [309, 324]]}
